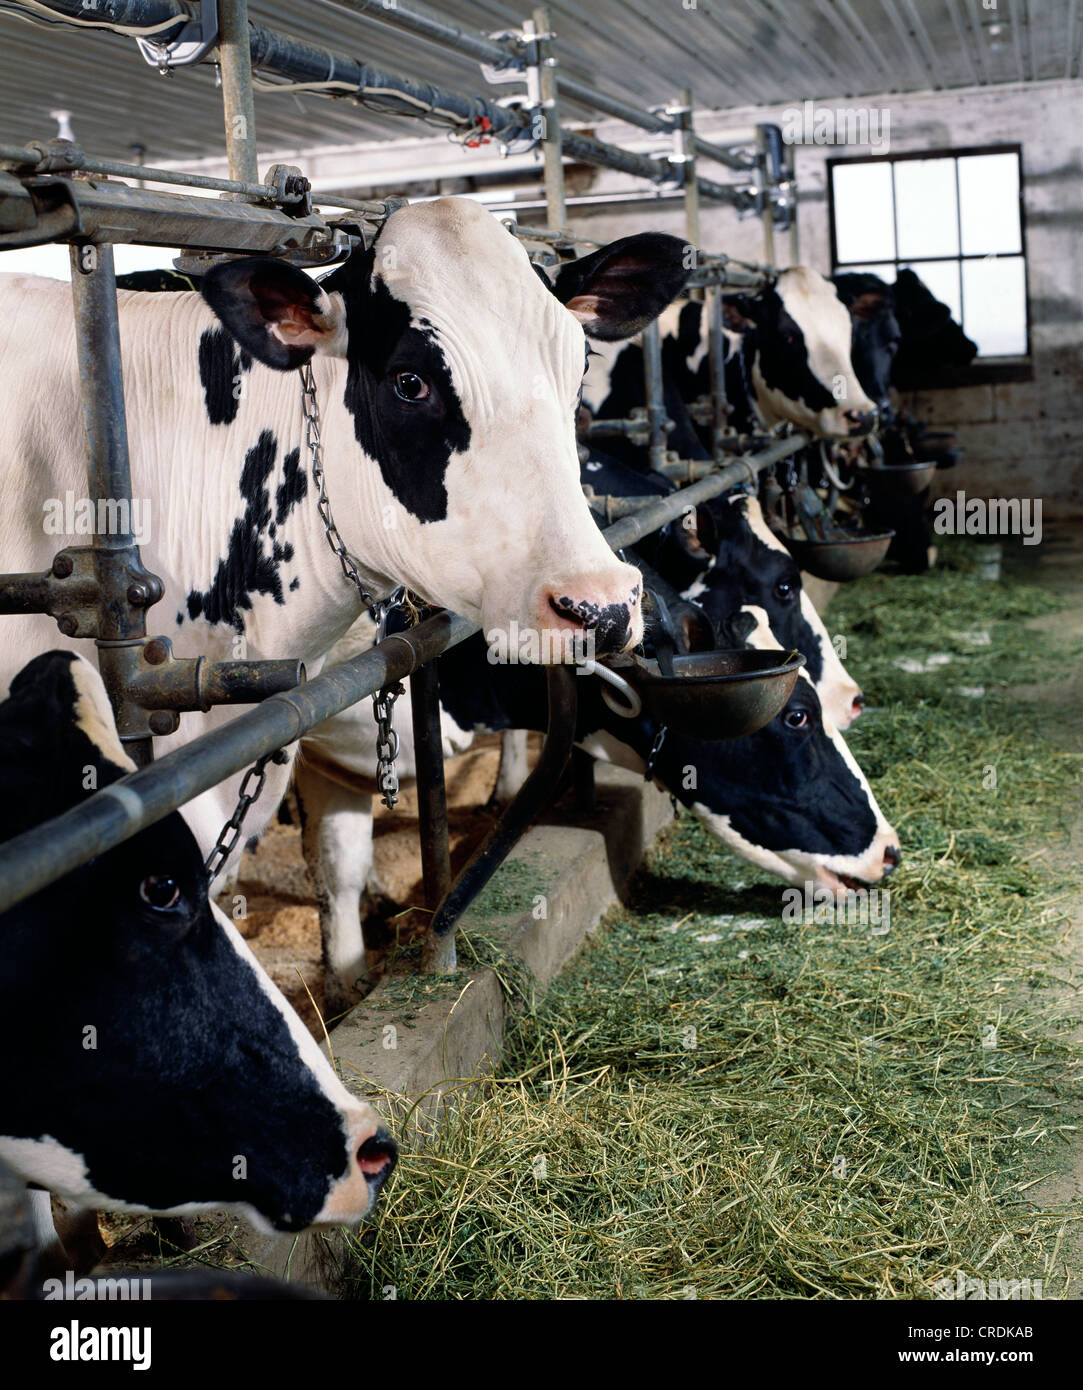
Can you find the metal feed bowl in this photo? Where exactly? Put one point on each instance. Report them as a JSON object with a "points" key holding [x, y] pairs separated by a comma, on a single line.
{"points": [[896, 481], [710, 695], [842, 558]]}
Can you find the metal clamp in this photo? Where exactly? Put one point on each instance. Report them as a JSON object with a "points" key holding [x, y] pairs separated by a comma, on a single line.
{"points": [[190, 45], [631, 706]]}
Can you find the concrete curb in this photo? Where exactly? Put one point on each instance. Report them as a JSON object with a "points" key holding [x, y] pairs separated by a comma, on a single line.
{"points": [[415, 1039]]}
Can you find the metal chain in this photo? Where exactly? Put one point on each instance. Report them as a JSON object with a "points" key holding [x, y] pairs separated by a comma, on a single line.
{"points": [[387, 743], [231, 831], [383, 701], [656, 748]]}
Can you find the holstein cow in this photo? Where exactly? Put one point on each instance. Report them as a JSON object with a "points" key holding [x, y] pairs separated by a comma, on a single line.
{"points": [[170, 1075], [789, 798], [448, 377]]}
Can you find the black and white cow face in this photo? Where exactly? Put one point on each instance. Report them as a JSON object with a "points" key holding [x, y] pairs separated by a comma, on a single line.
{"points": [[753, 570], [158, 1067], [799, 350], [789, 798], [876, 335], [455, 455]]}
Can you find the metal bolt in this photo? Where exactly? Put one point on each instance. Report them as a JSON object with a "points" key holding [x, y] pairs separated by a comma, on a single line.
{"points": [[137, 595], [162, 721], [62, 566], [156, 652], [68, 624]]}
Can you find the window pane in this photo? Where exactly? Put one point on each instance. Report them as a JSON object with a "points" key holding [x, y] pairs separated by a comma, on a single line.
{"points": [[989, 204], [994, 292], [926, 207], [942, 277], [864, 220]]}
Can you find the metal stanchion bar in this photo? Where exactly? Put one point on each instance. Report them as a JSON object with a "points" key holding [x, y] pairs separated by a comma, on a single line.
{"points": [[235, 65], [116, 813], [532, 798], [552, 143], [432, 794]]}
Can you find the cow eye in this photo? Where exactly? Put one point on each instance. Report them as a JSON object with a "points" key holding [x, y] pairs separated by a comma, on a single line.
{"points": [[783, 590], [795, 718], [410, 387], [160, 892]]}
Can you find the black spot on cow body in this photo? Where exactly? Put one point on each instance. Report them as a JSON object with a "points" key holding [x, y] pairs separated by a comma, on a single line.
{"points": [[293, 489], [220, 364], [412, 441], [247, 569]]}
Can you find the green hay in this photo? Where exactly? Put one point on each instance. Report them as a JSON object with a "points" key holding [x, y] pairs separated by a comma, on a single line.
{"points": [[709, 1164]]}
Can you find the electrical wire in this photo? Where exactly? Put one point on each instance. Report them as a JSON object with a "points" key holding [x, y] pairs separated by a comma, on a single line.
{"points": [[132, 30]]}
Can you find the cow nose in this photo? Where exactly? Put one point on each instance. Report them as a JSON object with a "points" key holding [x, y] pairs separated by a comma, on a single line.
{"points": [[605, 609], [891, 859], [860, 421], [376, 1158], [858, 704]]}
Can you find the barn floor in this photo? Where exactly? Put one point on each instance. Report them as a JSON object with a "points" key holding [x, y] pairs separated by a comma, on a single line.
{"points": [[711, 1103]]}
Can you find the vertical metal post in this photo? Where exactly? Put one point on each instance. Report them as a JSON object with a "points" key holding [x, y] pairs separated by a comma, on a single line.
{"points": [[767, 213], [431, 792], [235, 59], [687, 148], [716, 365], [657, 420], [545, 75], [795, 243], [121, 622]]}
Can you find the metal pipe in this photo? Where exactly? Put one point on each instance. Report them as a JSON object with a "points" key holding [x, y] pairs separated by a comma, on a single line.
{"points": [[296, 61], [235, 65], [34, 859], [658, 423], [688, 155], [432, 821], [66, 209], [634, 528], [121, 622], [438, 955], [716, 366], [545, 74]]}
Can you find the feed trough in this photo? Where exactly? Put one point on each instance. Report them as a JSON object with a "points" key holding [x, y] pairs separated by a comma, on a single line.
{"points": [[897, 480], [711, 695], [842, 557]]}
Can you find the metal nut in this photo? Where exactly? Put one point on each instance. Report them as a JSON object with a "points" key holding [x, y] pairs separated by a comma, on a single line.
{"points": [[63, 566], [155, 652], [68, 624], [163, 721], [138, 595]]}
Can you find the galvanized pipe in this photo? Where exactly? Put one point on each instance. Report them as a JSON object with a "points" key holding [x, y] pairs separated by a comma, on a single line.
{"points": [[432, 819], [235, 65], [438, 956], [658, 423], [116, 813], [552, 144], [716, 366]]}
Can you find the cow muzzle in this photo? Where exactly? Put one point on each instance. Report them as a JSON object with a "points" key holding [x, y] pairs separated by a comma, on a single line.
{"points": [[608, 625], [602, 613], [373, 1155]]}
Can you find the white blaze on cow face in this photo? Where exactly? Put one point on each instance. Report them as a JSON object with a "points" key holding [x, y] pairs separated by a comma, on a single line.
{"points": [[801, 368], [839, 693], [517, 531]]}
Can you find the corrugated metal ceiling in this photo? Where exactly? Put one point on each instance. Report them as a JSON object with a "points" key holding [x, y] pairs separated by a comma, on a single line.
{"points": [[737, 53]]}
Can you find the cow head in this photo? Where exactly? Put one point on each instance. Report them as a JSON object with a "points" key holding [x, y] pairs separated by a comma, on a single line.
{"points": [[799, 350], [876, 335], [753, 569], [171, 1076], [450, 449]]}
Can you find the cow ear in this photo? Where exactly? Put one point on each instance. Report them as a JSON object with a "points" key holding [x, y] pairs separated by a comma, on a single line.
{"points": [[274, 311], [617, 291]]}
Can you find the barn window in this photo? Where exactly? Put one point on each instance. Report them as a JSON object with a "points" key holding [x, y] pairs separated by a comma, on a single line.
{"points": [[955, 218]]}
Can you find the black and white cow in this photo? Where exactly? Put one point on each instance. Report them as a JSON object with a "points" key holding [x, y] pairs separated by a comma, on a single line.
{"points": [[877, 334], [152, 1065], [448, 377], [790, 798]]}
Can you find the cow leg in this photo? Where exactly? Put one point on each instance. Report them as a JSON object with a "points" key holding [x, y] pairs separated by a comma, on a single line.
{"points": [[336, 840], [514, 768]]}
